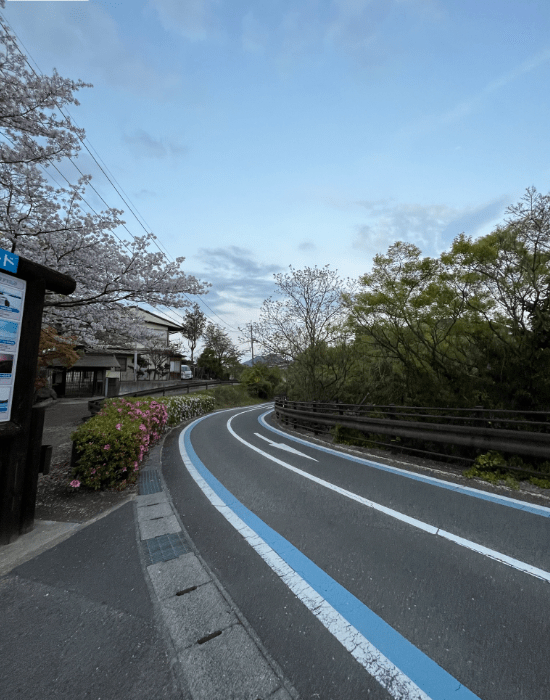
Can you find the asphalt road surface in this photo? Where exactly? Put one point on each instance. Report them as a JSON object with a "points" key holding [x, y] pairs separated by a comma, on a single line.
{"points": [[363, 580]]}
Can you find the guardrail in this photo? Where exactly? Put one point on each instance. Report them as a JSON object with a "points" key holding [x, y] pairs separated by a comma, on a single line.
{"points": [[94, 405], [476, 428]]}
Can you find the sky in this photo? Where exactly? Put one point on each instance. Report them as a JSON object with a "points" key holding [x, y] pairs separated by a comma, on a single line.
{"points": [[250, 136]]}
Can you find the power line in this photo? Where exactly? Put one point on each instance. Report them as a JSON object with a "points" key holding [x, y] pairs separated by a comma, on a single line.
{"points": [[127, 203]]}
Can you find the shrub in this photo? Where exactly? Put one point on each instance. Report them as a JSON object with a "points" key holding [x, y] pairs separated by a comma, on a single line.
{"points": [[261, 380], [182, 408], [231, 396], [492, 467], [111, 445]]}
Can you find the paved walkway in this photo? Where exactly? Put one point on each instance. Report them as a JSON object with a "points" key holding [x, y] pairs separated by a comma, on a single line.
{"points": [[123, 607]]}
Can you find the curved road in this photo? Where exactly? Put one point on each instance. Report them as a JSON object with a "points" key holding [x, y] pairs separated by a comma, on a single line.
{"points": [[363, 580]]}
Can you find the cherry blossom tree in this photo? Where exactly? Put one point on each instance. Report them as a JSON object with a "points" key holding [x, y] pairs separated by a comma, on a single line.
{"points": [[51, 226], [310, 312]]}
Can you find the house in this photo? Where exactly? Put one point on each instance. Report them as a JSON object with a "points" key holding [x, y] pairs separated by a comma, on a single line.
{"points": [[94, 374], [101, 369], [136, 363]]}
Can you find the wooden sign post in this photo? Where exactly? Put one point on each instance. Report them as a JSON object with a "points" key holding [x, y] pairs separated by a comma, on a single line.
{"points": [[23, 286]]}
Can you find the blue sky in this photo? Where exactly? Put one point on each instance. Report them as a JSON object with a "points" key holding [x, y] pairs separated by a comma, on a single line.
{"points": [[251, 136]]}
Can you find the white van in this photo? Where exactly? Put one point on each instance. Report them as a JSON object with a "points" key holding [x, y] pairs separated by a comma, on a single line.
{"points": [[186, 372]]}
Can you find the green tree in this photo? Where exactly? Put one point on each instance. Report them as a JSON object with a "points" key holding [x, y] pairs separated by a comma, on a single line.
{"points": [[471, 327], [415, 317], [193, 327], [211, 364], [261, 380], [505, 278], [223, 348]]}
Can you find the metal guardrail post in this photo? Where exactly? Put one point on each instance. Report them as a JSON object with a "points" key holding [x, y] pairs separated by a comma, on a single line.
{"points": [[479, 414], [392, 416]]}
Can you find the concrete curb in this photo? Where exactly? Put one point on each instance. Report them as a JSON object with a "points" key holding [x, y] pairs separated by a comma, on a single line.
{"points": [[218, 653]]}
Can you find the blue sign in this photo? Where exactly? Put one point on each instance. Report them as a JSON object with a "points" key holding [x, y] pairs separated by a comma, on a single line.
{"points": [[8, 261]]}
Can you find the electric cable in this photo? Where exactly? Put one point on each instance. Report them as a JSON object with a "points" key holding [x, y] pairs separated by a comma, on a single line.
{"points": [[131, 208]]}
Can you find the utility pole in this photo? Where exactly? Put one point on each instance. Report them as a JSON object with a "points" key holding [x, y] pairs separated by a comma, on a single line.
{"points": [[245, 330]]}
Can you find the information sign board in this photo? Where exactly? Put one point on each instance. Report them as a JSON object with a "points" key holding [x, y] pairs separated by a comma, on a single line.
{"points": [[12, 301], [8, 261]]}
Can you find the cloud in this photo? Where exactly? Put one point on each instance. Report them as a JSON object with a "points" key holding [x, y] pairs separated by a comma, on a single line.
{"points": [[255, 35], [472, 221], [430, 227], [194, 20], [85, 42], [476, 101], [354, 28], [142, 144], [235, 262], [354, 21], [237, 279], [145, 194], [307, 245]]}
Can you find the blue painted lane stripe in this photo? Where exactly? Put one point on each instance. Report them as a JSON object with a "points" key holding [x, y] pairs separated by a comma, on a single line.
{"points": [[423, 671], [468, 491]]}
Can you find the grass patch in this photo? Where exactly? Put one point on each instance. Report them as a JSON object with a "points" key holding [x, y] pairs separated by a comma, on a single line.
{"points": [[541, 483], [492, 467], [351, 436], [230, 396]]}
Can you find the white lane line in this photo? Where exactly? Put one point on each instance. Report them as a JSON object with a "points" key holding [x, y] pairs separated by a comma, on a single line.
{"points": [[468, 544], [440, 483], [390, 677], [286, 448]]}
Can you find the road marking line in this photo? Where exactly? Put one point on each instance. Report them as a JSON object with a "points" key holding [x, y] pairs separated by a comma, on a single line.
{"points": [[441, 483], [430, 529], [287, 448], [400, 667]]}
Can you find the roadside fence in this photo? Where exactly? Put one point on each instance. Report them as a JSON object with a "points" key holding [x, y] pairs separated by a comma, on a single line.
{"points": [[94, 405], [462, 432]]}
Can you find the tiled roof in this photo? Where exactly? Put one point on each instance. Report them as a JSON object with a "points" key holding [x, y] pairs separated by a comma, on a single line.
{"points": [[92, 362]]}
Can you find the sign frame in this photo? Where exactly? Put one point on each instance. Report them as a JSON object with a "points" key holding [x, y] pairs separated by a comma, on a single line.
{"points": [[12, 305]]}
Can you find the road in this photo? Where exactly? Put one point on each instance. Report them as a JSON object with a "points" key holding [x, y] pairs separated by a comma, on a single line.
{"points": [[362, 580]]}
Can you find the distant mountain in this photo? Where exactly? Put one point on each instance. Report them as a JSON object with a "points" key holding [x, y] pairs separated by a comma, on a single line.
{"points": [[270, 360], [258, 358]]}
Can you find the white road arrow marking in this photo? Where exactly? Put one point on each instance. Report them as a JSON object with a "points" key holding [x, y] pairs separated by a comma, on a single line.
{"points": [[287, 448]]}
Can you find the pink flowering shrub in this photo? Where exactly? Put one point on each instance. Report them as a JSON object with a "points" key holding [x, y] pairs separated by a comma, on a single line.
{"points": [[112, 444]]}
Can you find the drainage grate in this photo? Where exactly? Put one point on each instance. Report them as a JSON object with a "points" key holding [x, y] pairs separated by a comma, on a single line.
{"points": [[164, 548], [149, 482]]}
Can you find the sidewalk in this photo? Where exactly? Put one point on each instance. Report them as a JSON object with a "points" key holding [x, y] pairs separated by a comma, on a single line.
{"points": [[78, 621], [123, 607]]}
